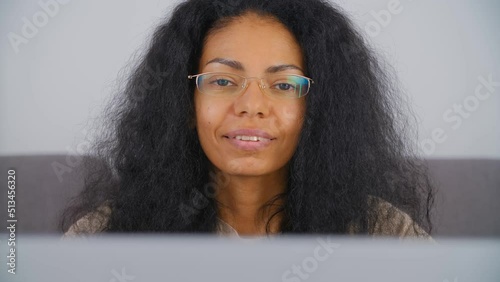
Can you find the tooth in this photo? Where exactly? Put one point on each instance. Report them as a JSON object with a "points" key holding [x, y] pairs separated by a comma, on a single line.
{"points": [[249, 138]]}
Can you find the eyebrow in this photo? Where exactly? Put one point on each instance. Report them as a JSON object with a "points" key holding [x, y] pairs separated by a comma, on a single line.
{"points": [[238, 66]]}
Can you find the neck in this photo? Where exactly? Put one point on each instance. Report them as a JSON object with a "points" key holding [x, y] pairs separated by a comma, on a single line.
{"points": [[242, 198]]}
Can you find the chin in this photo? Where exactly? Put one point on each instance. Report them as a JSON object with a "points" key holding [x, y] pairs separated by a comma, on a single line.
{"points": [[246, 168]]}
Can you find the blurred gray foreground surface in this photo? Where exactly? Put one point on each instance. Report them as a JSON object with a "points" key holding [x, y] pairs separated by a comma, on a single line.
{"points": [[199, 258]]}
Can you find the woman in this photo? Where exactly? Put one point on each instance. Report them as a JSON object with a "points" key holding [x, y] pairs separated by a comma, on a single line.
{"points": [[256, 117]]}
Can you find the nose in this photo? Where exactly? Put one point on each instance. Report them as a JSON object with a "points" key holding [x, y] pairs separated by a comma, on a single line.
{"points": [[252, 102]]}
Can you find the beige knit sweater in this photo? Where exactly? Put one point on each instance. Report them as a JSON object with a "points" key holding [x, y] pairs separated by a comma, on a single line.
{"points": [[401, 225]]}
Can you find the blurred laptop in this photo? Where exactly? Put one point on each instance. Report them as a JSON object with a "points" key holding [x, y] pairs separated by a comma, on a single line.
{"points": [[112, 258]]}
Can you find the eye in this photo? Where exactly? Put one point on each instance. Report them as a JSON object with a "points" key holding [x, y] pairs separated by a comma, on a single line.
{"points": [[285, 86], [291, 86], [221, 82]]}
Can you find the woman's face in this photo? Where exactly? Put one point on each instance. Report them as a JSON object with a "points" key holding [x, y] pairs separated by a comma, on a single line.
{"points": [[248, 47]]}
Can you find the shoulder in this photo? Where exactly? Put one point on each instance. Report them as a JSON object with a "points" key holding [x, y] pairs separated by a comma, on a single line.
{"points": [[391, 221], [93, 222]]}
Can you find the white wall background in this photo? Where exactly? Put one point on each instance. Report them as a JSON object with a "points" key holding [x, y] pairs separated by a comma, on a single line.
{"points": [[59, 77]]}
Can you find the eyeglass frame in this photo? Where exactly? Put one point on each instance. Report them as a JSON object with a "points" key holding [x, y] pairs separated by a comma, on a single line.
{"points": [[262, 86]]}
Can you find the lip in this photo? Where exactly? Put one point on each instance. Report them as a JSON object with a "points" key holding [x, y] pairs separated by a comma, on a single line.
{"points": [[249, 145]]}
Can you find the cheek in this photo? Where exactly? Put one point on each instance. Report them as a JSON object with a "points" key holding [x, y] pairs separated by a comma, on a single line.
{"points": [[209, 116], [205, 117], [291, 117]]}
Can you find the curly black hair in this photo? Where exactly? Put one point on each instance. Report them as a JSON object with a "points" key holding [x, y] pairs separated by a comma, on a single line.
{"points": [[354, 142]]}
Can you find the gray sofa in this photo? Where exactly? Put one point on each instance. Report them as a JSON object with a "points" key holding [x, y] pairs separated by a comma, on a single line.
{"points": [[467, 203]]}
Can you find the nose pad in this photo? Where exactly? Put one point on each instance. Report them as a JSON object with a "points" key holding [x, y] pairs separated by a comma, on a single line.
{"points": [[250, 102], [260, 83]]}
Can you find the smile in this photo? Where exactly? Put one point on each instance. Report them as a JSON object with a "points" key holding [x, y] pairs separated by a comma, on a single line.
{"points": [[251, 138]]}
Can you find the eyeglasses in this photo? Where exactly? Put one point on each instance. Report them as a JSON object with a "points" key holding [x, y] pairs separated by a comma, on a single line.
{"points": [[289, 86]]}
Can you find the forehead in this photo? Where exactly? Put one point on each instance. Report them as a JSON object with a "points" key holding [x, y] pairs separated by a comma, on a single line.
{"points": [[255, 41]]}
